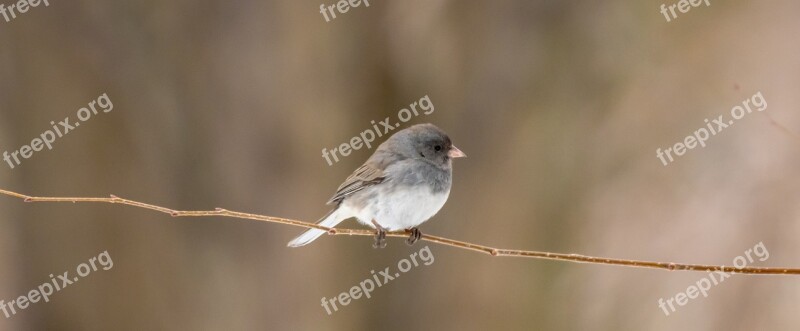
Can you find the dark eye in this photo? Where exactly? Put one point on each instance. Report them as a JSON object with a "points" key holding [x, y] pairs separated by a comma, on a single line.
{"points": [[438, 148]]}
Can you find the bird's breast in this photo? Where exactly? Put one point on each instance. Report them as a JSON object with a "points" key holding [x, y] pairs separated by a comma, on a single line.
{"points": [[409, 207]]}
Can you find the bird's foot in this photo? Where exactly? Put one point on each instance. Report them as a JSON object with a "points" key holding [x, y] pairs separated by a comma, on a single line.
{"points": [[415, 236], [380, 236], [380, 239]]}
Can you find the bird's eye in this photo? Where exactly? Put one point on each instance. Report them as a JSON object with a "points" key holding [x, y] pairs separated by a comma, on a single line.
{"points": [[438, 148]]}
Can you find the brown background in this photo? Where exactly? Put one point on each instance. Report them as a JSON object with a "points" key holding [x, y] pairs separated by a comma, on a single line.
{"points": [[559, 105]]}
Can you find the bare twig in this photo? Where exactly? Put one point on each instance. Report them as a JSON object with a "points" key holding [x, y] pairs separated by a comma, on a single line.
{"points": [[439, 240], [783, 129]]}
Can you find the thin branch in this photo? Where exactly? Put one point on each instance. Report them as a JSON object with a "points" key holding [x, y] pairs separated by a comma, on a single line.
{"points": [[431, 238], [783, 129]]}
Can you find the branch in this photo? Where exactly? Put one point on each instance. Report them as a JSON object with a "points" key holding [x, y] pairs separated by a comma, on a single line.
{"points": [[435, 239], [783, 129]]}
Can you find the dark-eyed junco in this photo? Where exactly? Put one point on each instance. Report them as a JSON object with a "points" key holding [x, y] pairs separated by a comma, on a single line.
{"points": [[403, 184]]}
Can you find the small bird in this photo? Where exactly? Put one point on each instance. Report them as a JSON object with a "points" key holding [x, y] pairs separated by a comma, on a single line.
{"points": [[403, 184]]}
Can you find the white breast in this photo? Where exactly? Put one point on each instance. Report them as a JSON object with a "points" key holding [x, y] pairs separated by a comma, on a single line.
{"points": [[403, 208]]}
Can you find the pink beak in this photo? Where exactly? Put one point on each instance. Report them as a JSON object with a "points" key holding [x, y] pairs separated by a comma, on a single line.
{"points": [[454, 152]]}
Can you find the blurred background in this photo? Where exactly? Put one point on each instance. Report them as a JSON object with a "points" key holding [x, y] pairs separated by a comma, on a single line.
{"points": [[559, 105]]}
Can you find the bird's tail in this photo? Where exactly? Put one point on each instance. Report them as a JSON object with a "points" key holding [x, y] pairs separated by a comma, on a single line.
{"points": [[330, 220]]}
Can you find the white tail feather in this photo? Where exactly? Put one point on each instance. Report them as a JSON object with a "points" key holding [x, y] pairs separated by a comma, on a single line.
{"points": [[330, 220]]}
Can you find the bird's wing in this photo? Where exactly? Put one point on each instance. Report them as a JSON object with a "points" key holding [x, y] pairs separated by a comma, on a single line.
{"points": [[365, 176]]}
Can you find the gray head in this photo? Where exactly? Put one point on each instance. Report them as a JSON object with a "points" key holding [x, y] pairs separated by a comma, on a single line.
{"points": [[425, 142]]}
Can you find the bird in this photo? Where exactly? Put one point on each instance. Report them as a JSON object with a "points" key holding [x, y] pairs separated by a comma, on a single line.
{"points": [[404, 183]]}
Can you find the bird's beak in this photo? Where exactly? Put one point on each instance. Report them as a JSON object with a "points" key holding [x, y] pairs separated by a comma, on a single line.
{"points": [[454, 152]]}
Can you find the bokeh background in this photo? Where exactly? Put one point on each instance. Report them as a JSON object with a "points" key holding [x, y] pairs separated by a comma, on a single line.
{"points": [[560, 106]]}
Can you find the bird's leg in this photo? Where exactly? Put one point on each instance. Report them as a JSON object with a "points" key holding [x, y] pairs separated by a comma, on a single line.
{"points": [[416, 234], [380, 235]]}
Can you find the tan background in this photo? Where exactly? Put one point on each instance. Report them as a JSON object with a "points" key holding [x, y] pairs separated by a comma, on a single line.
{"points": [[559, 105]]}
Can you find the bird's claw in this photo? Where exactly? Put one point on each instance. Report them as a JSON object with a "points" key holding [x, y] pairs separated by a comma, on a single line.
{"points": [[380, 239], [380, 235], [415, 236]]}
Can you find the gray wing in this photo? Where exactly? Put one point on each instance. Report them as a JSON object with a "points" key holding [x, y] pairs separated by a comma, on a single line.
{"points": [[365, 176]]}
